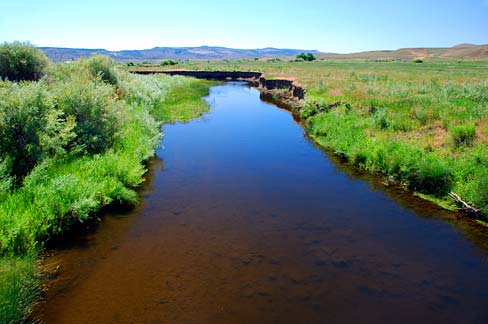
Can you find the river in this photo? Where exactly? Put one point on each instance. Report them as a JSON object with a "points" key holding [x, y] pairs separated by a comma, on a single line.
{"points": [[244, 220]]}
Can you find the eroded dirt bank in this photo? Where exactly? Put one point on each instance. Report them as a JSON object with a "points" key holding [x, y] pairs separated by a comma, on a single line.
{"points": [[281, 92]]}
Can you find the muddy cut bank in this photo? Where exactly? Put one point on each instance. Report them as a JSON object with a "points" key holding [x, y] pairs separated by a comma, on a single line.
{"points": [[282, 92]]}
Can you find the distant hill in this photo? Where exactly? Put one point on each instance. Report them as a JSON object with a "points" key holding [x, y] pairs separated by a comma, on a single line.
{"points": [[461, 51], [58, 54]]}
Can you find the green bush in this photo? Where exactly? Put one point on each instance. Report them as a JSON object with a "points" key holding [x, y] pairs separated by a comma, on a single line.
{"points": [[463, 134], [70, 110], [103, 67], [306, 57], [21, 61], [168, 62], [94, 109], [380, 118], [482, 190], [22, 111], [431, 176]]}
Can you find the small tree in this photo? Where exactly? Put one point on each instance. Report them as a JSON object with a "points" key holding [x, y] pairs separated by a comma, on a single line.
{"points": [[104, 67], [168, 62], [21, 61], [306, 57]]}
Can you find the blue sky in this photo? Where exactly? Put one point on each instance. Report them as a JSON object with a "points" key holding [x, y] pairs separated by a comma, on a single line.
{"points": [[331, 26]]}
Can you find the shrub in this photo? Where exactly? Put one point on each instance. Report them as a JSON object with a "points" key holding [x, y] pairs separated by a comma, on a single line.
{"points": [[306, 57], [380, 118], [274, 60], [480, 197], [95, 111], [431, 176], [168, 62], [21, 61], [22, 111], [418, 61], [103, 67], [463, 134]]}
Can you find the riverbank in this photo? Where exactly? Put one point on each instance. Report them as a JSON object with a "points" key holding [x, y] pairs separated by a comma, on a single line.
{"points": [[94, 127], [421, 125]]}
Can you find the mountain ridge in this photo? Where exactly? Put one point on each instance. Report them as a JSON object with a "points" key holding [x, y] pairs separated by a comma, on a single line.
{"points": [[59, 54], [460, 51]]}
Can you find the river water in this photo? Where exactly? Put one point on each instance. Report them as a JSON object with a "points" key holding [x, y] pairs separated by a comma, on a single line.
{"points": [[244, 220]]}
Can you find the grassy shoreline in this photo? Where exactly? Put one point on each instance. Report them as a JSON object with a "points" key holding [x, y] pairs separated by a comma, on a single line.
{"points": [[70, 186]]}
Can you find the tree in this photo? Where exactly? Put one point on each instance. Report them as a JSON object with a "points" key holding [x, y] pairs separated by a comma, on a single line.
{"points": [[21, 61], [306, 57]]}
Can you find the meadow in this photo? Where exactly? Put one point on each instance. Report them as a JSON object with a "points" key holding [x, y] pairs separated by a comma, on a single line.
{"points": [[72, 142], [421, 123]]}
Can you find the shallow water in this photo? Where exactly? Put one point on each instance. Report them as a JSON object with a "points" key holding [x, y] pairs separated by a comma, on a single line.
{"points": [[244, 220]]}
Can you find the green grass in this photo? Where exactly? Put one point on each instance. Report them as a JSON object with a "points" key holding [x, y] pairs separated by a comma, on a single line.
{"points": [[463, 134], [19, 287], [423, 124], [91, 134]]}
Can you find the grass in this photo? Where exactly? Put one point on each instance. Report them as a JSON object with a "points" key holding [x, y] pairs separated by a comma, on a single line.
{"points": [[82, 163], [463, 134], [18, 288], [423, 124]]}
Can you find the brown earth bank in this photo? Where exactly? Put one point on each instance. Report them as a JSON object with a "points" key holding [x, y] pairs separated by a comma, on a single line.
{"points": [[281, 92]]}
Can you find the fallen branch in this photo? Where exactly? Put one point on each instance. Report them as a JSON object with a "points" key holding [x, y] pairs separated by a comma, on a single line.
{"points": [[464, 205]]}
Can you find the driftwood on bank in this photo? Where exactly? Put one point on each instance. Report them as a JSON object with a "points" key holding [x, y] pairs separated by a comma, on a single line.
{"points": [[464, 206]]}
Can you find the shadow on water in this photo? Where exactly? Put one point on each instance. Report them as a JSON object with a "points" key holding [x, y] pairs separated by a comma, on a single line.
{"points": [[249, 222], [81, 235], [417, 206]]}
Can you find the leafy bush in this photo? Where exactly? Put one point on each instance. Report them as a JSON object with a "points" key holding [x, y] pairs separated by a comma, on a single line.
{"points": [[463, 134], [22, 111], [95, 110], [431, 176], [103, 67], [481, 198], [306, 57], [418, 61], [168, 62], [313, 107], [70, 110], [21, 61], [274, 60], [380, 118]]}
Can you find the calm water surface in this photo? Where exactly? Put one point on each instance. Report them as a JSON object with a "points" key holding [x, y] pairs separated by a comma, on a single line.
{"points": [[244, 220]]}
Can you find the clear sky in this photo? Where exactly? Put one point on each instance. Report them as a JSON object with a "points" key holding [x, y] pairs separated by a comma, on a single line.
{"points": [[330, 26]]}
